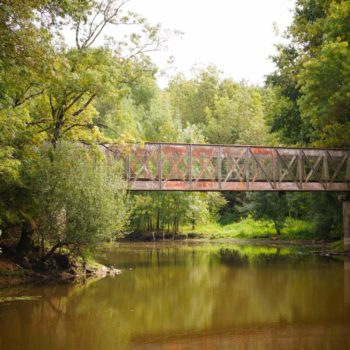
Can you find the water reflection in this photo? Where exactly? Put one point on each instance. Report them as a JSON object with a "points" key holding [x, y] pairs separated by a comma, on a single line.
{"points": [[347, 283], [179, 296]]}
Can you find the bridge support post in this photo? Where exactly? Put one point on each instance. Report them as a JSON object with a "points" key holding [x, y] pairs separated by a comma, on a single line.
{"points": [[346, 224]]}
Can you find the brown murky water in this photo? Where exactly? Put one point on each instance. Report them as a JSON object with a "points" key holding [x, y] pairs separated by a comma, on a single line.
{"points": [[177, 296]]}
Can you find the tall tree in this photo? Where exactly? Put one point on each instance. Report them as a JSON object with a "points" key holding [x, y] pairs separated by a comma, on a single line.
{"points": [[49, 89], [311, 80]]}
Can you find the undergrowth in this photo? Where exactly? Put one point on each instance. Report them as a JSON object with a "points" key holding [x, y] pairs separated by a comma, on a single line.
{"points": [[249, 228]]}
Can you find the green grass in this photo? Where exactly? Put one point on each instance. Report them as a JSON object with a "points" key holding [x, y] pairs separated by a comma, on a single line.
{"points": [[298, 229], [249, 228]]}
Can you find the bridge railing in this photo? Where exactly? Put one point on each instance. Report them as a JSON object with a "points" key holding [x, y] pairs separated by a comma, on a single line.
{"points": [[199, 167]]}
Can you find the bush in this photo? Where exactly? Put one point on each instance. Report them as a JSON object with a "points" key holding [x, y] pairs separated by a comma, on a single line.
{"points": [[79, 198]]}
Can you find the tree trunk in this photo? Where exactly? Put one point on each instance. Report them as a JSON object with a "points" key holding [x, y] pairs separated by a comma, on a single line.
{"points": [[52, 250], [158, 220], [277, 228], [42, 245], [58, 126], [25, 243]]}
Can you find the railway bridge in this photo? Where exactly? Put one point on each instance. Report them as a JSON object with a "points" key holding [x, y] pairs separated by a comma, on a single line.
{"points": [[203, 167]]}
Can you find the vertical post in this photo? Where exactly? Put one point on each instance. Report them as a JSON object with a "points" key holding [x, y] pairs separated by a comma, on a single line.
{"points": [[190, 165], [300, 169], [325, 170], [219, 166], [278, 169], [346, 224], [160, 173], [274, 166], [247, 163]]}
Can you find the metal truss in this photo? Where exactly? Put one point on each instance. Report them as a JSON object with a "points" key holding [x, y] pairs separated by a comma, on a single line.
{"points": [[199, 167]]}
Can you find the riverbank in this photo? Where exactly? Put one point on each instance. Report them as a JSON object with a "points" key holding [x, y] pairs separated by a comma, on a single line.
{"points": [[60, 269], [315, 247], [247, 228]]}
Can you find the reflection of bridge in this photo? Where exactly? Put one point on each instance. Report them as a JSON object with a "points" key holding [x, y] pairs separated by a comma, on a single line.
{"points": [[193, 167]]}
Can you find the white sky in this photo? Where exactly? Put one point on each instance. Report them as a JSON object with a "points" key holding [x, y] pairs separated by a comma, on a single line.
{"points": [[236, 35]]}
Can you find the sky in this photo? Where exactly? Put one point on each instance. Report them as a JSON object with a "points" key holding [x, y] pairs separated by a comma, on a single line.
{"points": [[237, 36]]}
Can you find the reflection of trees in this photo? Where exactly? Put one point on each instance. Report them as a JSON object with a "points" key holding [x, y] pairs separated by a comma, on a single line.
{"points": [[276, 287], [175, 290]]}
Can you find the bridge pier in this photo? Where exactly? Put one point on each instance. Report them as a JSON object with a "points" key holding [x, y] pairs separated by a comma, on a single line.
{"points": [[346, 224]]}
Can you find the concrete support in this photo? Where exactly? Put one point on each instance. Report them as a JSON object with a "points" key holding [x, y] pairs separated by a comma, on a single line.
{"points": [[346, 223]]}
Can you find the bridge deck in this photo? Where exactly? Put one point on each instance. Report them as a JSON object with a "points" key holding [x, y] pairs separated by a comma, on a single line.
{"points": [[199, 167]]}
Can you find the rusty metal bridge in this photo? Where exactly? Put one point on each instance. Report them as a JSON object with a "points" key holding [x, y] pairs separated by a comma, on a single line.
{"points": [[201, 167]]}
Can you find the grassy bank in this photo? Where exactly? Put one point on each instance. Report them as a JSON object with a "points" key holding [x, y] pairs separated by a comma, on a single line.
{"points": [[249, 228]]}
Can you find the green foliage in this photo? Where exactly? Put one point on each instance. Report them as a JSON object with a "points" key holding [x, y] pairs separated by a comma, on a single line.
{"points": [[237, 118], [50, 93], [311, 81], [245, 228], [268, 205], [78, 198], [250, 228], [325, 94], [226, 112], [100, 92], [326, 215], [308, 96], [165, 211]]}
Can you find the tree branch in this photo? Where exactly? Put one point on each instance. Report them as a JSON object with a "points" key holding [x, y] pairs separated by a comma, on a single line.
{"points": [[41, 121], [88, 126], [75, 99], [20, 102], [95, 31], [86, 104]]}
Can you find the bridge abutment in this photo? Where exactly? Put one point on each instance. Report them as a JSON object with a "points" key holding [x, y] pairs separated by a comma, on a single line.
{"points": [[346, 224]]}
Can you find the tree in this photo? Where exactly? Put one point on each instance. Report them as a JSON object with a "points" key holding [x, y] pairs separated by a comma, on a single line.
{"points": [[78, 197], [282, 112], [225, 111], [49, 90], [325, 88], [236, 117], [271, 206], [308, 92], [311, 80]]}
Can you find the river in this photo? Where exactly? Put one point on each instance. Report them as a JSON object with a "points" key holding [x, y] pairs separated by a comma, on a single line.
{"points": [[183, 295]]}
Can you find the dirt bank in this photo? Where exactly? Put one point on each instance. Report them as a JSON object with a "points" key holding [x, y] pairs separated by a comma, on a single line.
{"points": [[13, 273]]}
